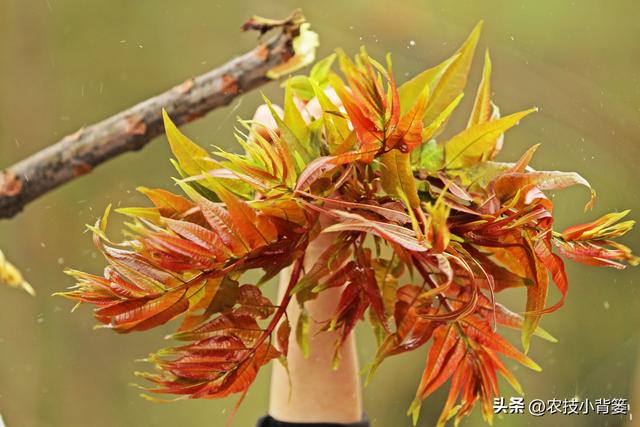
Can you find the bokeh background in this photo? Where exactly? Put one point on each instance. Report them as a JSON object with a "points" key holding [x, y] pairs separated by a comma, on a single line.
{"points": [[65, 64]]}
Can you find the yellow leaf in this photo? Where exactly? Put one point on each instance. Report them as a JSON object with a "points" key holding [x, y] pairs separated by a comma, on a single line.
{"points": [[397, 177], [191, 157], [429, 131], [411, 90], [336, 125], [300, 85], [476, 143], [454, 79], [11, 276], [151, 214], [293, 118], [303, 331], [481, 111]]}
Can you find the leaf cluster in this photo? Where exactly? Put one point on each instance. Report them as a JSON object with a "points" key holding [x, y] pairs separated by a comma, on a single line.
{"points": [[426, 232]]}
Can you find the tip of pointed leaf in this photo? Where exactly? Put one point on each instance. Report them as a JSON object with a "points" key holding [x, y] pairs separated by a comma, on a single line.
{"points": [[414, 411], [518, 389], [26, 286], [370, 370], [542, 333], [61, 294], [158, 400], [475, 33], [525, 339], [105, 218], [529, 363], [138, 386]]}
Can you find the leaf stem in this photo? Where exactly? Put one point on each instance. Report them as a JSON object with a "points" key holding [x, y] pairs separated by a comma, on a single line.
{"points": [[425, 275]]}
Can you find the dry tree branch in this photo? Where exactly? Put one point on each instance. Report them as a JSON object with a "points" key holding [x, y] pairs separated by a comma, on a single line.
{"points": [[131, 129]]}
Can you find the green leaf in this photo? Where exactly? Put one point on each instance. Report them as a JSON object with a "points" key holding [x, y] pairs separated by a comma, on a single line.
{"points": [[198, 187], [301, 85], [293, 118], [293, 148], [476, 143], [191, 157], [303, 331], [336, 127], [429, 157], [397, 177], [454, 78], [320, 71], [411, 90], [481, 111], [151, 214], [434, 127]]}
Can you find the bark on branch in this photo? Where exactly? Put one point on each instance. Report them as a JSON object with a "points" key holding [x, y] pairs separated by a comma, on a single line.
{"points": [[77, 154]]}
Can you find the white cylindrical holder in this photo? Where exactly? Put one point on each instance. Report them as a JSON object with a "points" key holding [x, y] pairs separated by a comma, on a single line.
{"points": [[318, 392]]}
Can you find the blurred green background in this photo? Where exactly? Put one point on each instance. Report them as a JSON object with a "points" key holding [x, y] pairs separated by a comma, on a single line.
{"points": [[65, 64]]}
